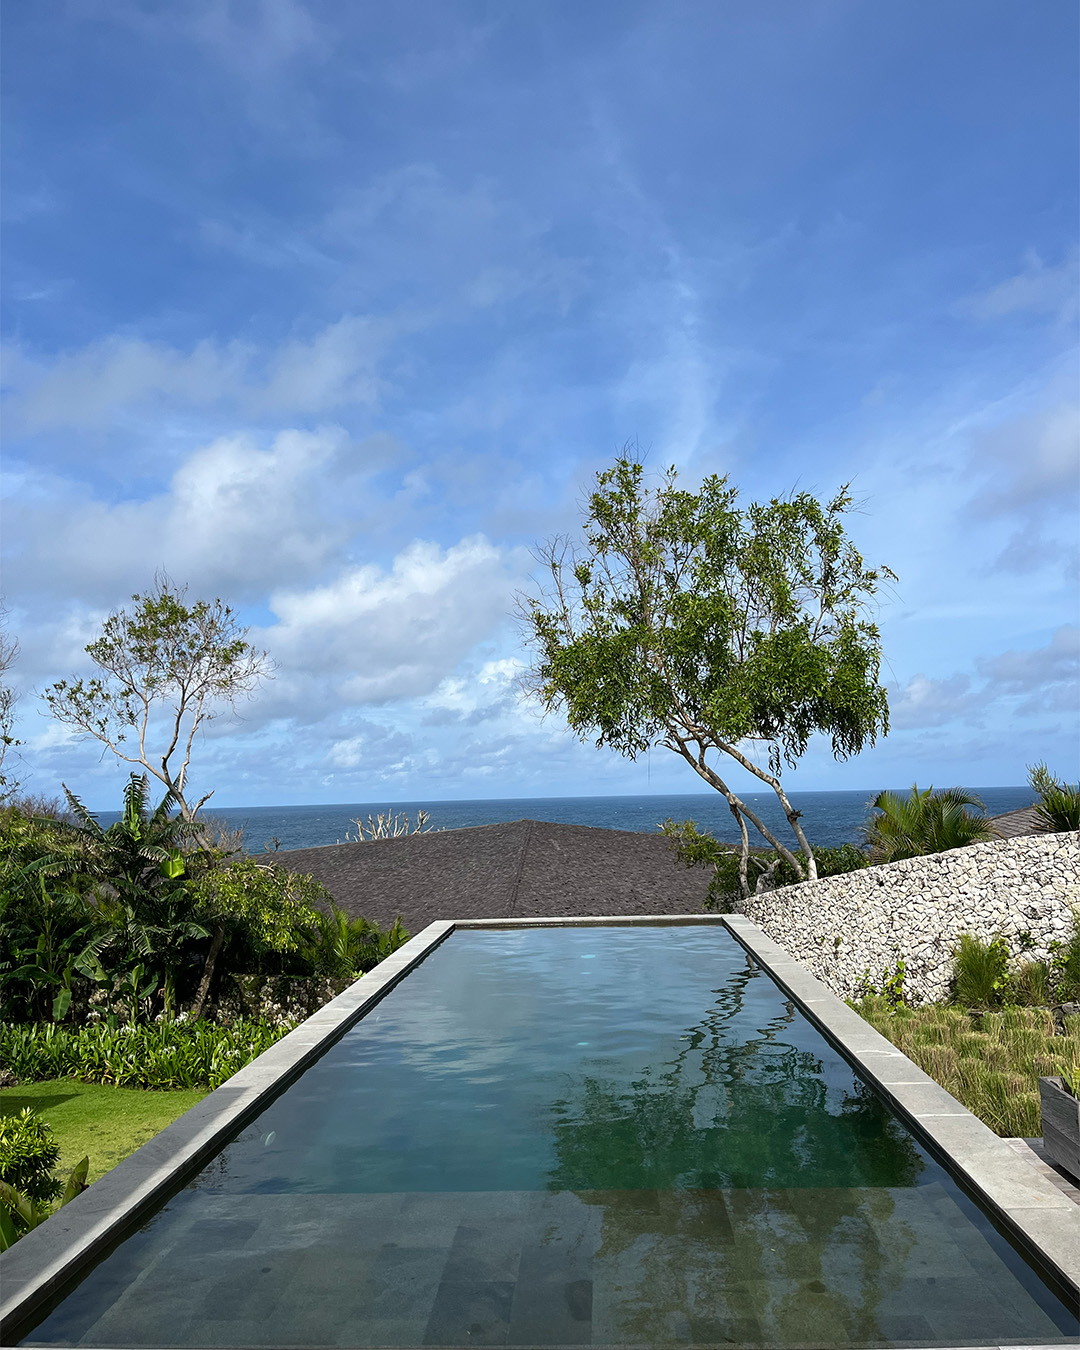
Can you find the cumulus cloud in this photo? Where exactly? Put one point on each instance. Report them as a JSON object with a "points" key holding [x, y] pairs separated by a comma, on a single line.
{"points": [[334, 368], [927, 702], [378, 635], [475, 696], [1033, 462], [1026, 681], [235, 517], [1048, 678], [1029, 471]]}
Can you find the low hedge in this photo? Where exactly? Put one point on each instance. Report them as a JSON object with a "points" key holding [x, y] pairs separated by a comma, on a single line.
{"points": [[154, 1055]]}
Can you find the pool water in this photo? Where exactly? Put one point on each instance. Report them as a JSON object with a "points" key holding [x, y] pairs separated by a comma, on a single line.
{"points": [[563, 1137]]}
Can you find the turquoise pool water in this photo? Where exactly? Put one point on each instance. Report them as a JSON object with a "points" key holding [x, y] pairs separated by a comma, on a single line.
{"points": [[579, 1136]]}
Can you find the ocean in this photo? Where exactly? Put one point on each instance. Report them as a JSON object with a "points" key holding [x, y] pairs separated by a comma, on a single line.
{"points": [[829, 818]]}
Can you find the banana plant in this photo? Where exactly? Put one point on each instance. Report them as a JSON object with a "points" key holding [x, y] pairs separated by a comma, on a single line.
{"points": [[19, 1214]]}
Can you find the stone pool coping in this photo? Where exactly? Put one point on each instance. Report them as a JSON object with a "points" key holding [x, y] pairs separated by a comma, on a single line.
{"points": [[1043, 1220]]}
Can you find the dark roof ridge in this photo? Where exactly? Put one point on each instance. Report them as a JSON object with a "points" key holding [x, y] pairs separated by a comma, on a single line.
{"points": [[516, 884]]}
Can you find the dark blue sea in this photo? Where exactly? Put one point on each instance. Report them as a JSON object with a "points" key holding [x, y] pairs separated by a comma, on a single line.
{"points": [[829, 818]]}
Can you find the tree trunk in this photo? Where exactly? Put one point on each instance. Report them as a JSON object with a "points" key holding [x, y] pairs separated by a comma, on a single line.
{"points": [[208, 971]]}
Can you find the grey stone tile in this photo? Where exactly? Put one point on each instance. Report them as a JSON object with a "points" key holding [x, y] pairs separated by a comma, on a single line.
{"points": [[475, 1312], [485, 1253], [554, 1312], [402, 1282], [1055, 1233], [929, 1098]]}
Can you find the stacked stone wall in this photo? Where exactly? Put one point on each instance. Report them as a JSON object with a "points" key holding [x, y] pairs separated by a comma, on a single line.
{"points": [[854, 928]]}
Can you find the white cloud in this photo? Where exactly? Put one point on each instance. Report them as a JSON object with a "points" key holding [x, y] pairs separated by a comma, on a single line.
{"points": [[1026, 682], [1048, 677], [235, 517], [378, 635], [926, 702], [335, 368], [1033, 462]]}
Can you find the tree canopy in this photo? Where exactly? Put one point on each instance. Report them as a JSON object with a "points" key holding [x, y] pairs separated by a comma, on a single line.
{"points": [[167, 668], [689, 621]]}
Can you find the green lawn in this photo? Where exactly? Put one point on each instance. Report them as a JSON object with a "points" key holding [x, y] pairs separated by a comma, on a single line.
{"points": [[98, 1121]]}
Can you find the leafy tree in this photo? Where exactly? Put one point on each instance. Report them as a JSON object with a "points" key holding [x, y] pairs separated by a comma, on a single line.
{"points": [[691, 622], [1058, 807], [258, 904], [767, 869], [162, 657], [924, 822]]}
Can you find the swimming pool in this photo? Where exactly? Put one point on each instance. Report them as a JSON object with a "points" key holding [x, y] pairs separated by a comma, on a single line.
{"points": [[570, 1136]]}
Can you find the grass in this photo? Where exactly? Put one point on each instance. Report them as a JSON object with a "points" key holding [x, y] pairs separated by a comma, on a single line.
{"points": [[98, 1121], [991, 1061]]}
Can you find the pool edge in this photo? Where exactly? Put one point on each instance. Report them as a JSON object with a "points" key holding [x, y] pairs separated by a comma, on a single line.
{"points": [[1045, 1221], [47, 1258]]}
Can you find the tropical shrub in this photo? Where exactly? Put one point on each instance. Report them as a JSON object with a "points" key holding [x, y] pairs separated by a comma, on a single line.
{"points": [[923, 822], [19, 1213], [45, 930], [159, 1055], [28, 1154], [338, 945], [1058, 807], [766, 869]]}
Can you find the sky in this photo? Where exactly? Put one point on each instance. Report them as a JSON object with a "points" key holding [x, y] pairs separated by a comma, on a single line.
{"points": [[335, 311]]}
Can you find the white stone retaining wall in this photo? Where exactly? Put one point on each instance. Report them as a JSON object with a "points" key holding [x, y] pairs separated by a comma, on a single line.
{"points": [[847, 928]]}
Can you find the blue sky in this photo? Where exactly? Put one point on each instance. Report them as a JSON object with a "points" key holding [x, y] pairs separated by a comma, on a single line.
{"points": [[335, 310]]}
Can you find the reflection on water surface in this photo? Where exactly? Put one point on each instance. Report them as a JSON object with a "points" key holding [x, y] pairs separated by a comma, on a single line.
{"points": [[658, 1151]]}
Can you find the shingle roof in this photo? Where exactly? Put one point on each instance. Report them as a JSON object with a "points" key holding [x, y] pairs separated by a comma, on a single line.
{"points": [[523, 869], [1013, 824]]}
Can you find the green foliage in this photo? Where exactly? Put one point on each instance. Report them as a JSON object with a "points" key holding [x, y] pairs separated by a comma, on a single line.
{"points": [[160, 1055], [20, 1213], [338, 945], [1032, 985], [992, 1063], [890, 988], [28, 1154], [766, 869], [44, 932], [262, 903], [923, 822], [1066, 962], [163, 658], [694, 623], [1058, 807], [108, 1123], [149, 909], [981, 978]]}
